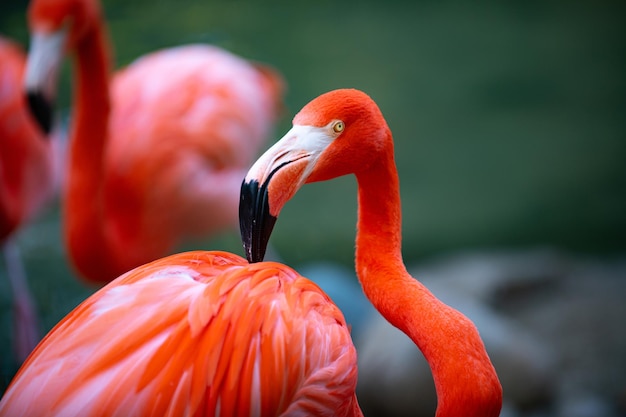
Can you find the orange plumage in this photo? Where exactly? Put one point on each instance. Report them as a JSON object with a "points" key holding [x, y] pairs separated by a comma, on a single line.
{"points": [[193, 334]]}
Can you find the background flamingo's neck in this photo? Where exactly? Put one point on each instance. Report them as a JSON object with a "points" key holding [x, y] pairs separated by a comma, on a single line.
{"points": [[465, 379], [24, 164], [83, 219]]}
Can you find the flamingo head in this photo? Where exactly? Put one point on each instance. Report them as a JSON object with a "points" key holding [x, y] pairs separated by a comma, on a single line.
{"points": [[338, 133], [56, 26]]}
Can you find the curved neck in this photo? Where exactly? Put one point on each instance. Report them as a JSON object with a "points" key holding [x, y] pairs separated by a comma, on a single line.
{"points": [[465, 379], [84, 229]]}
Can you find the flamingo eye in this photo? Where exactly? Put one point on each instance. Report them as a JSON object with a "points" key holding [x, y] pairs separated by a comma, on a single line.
{"points": [[338, 126]]}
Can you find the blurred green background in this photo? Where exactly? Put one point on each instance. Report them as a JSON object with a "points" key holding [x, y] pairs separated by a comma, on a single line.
{"points": [[509, 121]]}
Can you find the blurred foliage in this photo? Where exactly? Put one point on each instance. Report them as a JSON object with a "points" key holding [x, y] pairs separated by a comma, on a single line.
{"points": [[509, 118]]}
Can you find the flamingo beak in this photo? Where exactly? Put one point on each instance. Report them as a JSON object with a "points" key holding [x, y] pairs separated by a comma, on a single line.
{"points": [[255, 221], [273, 180], [42, 71]]}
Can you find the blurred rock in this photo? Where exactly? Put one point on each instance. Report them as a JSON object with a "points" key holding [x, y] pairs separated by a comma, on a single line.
{"points": [[394, 378], [496, 277], [585, 406], [583, 321]]}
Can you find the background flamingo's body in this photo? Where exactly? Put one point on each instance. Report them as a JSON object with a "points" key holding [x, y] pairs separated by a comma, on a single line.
{"points": [[199, 333], [157, 152], [27, 181], [185, 125]]}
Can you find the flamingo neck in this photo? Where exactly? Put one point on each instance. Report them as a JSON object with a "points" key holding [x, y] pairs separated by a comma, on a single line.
{"points": [[24, 166], [84, 229], [465, 379]]}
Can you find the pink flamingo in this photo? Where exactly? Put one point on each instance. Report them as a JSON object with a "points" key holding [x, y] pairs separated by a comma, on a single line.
{"points": [[157, 152]]}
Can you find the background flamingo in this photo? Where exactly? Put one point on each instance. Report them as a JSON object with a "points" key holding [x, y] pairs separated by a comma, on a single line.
{"points": [[26, 183], [207, 333], [158, 153]]}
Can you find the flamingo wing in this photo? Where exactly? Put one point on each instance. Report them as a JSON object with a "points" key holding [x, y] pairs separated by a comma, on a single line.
{"points": [[199, 333]]}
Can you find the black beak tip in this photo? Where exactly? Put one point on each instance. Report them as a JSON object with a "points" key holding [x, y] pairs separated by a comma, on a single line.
{"points": [[255, 221], [41, 109]]}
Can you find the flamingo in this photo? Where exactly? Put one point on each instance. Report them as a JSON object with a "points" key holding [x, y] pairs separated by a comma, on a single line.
{"points": [[157, 151], [26, 184], [344, 132], [208, 333]]}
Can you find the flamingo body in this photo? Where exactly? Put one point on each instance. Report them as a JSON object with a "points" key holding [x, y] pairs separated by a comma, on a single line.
{"points": [[185, 124], [157, 150], [199, 333]]}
